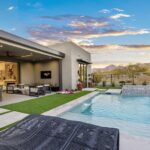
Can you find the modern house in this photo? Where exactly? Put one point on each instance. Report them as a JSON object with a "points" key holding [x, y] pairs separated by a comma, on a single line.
{"points": [[26, 62], [76, 66]]}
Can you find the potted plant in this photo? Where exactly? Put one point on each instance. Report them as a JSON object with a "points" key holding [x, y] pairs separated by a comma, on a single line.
{"points": [[79, 85]]}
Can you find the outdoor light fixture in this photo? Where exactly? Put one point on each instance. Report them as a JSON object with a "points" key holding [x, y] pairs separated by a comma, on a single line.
{"points": [[1, 46]]}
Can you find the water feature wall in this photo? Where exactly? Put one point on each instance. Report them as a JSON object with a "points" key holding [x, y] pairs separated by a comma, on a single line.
{"points": [[136, 90]]}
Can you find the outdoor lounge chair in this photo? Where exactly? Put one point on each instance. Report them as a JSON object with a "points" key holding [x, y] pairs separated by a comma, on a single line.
{"points": [[24, 89], [37, 132], [12, 89], [36, 90], [47, 88]]}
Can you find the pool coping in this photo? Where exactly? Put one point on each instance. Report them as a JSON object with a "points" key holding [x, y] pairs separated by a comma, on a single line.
{"points": [[65, 107]]}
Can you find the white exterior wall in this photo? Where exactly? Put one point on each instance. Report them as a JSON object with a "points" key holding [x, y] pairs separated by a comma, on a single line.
{"points": [[66, 66], [79, 53], [70, 65], [30, 72]]}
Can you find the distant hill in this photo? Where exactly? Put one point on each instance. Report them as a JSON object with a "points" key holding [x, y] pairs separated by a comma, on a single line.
{"points": [[107, 68], [112, 67]]}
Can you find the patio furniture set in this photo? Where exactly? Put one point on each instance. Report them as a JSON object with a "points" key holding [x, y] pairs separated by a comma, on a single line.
{"points": [[31, 90]]}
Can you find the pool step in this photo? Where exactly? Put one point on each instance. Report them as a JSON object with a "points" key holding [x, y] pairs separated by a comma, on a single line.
{"points": [[113, 91]]}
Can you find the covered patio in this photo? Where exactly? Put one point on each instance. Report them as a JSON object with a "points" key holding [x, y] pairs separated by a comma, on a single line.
{"points": [[27, 68]]}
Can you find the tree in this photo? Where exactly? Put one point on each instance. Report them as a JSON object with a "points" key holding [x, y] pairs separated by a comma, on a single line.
{"points": [[133, 70], [97, 77]]}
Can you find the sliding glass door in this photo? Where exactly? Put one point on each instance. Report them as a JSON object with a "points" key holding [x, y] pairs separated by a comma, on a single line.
{"points": [[83, 74]]}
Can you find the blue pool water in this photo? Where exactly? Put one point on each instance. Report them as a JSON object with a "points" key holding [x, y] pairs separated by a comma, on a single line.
{"points": [[129, 114]]}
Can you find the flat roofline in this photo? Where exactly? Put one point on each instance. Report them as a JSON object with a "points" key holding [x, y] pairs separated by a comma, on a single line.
{"points": [[27, 43], [83, 61]]}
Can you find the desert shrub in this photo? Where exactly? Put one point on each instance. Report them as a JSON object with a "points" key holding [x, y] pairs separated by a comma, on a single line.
{"points": [[113, 84], [144, 83]]}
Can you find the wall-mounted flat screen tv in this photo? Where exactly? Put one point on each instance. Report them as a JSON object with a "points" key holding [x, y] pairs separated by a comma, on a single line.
{"points": [[46, 74]]}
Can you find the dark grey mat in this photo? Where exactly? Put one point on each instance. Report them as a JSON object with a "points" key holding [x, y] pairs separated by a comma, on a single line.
{"points": [[37, 132]]}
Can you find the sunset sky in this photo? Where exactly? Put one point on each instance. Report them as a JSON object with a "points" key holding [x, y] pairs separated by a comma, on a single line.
{"points": [[114, 31]]}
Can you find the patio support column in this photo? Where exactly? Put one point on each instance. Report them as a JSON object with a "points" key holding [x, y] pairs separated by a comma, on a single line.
{"points": [[60, 75]]}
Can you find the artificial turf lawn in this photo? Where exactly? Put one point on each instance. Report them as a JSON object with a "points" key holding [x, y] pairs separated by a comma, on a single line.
{"points": [[43, 104]]}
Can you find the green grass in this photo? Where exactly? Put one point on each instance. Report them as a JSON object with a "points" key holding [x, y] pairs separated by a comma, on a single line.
{"points": [[43, 104]]}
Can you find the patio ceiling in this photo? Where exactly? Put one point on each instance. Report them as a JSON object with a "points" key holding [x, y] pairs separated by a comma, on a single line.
{"points": [[15, 48], [11, 53]]}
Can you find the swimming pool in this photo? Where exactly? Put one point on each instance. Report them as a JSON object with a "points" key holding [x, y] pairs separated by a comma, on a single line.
{"points": [[129, 114]]}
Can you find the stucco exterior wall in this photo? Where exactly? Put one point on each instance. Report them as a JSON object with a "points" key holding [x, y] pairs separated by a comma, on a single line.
{"points": [[27, 73], [70, 66], [66, 66], [52, 66], [30, 72], [79, 53]]}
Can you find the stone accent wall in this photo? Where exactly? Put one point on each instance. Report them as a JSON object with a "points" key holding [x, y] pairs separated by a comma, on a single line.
{"points": [[136, 90]]}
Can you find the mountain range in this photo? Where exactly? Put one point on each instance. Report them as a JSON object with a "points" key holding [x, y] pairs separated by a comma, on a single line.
{"points": [[112, 67]]}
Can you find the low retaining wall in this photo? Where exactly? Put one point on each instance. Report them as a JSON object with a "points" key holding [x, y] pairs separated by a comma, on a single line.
{"points": [[136, 90]]}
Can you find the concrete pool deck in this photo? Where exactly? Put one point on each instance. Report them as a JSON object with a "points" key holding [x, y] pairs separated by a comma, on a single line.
{"points": [[113, 91], [130, 142]]}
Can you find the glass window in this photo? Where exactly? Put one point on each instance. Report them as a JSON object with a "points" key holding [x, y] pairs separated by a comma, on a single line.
{"points": [[83, 74], [8, 73]]}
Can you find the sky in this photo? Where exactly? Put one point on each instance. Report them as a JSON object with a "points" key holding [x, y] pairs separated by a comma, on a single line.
{"points": [[113, 31]]}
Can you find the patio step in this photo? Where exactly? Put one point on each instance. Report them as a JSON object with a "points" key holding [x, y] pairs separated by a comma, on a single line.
{"points": [[2, 110], [11, 117]]}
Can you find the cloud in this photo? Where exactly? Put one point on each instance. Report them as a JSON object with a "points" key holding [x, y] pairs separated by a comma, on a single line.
{"points": [[118, 9], [105, 11], [105, 48], [82, 24], [108, 33], [63, 17], [83, 41], [10, 8], [45, 42], [36, 5], [76, 18], [80, 28], [45, 31], [123, 32], [117, 16], [103, 55]]}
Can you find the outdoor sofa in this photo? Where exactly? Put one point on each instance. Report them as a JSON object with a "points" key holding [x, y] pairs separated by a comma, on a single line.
{"points": [[31, 90]]}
